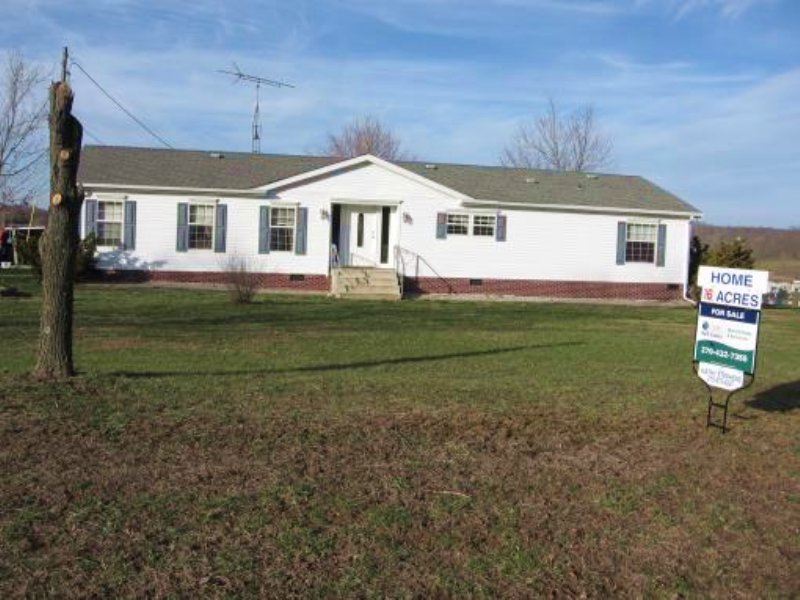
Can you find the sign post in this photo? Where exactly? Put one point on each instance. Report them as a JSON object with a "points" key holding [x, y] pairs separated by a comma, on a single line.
{"points": [[726, 338]]}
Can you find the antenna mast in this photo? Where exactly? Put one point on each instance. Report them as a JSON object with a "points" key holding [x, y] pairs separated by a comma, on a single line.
{"points": [[259, 81]]}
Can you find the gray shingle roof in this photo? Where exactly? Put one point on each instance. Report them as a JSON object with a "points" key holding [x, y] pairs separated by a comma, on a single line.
{"points": [[124, 166]]}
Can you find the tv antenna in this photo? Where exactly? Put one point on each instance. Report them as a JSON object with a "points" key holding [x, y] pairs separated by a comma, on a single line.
{"points": [[259, 81]]}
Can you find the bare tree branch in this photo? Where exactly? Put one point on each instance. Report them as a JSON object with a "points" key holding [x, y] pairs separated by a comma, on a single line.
{"points": [[572, 143], [22, 123], [364, 135]]}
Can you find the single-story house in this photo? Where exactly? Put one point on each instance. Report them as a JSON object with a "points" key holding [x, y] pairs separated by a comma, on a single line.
{"points": [[302, 221]]}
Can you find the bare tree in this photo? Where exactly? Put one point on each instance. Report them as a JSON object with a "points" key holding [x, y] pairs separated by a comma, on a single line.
{"points": [[364, 135], [59, 243], [571, 143], [22, 121]]}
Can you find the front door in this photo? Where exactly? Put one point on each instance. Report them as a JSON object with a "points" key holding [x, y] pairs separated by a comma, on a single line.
{"points": [[363, 236]]}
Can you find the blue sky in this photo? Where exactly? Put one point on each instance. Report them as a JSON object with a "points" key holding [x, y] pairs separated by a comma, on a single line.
{"points": [[700, 96]]}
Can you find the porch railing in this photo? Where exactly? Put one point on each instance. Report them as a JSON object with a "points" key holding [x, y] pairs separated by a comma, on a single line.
{"points": [[404, 258]]}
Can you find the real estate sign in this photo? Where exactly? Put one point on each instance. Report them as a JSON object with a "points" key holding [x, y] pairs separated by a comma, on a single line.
{"points": [[728, 317]]}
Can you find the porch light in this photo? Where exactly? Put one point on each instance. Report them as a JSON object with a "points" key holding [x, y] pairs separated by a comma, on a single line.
{"points": [[324, 214], [407, 218]]}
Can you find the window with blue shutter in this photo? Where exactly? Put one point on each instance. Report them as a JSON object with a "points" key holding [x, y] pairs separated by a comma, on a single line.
{"points": [[302, 231], [129, 233], [441, 226], [182, 234], [500, 231], [661, 248], [221, 228], [263, 230], [641, 243], [622, 238], [90, 218]]}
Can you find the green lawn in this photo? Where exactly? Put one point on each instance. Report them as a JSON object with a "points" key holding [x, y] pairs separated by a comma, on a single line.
{"points": [[306, 447]]}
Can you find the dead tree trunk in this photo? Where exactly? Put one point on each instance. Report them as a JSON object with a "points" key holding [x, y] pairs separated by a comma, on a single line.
{"points": [[59, 244]]}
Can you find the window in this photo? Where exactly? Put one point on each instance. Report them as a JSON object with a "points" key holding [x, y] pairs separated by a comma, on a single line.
{"points": [[109, 223], [360, 231], [483, 225], [457, 224], [640, 245], [282, 229], [201, 226]]}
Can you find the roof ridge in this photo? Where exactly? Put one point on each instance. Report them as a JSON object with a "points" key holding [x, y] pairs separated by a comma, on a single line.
{"points": [[206, 151]]}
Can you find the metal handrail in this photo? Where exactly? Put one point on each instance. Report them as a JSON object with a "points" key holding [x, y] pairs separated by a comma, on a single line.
{"points": [[399, 250], [399, 268], [369, 261]]}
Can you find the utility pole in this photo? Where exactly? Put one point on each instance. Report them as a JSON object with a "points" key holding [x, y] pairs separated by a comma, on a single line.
{"points": [[259, 81], [65, 65]]}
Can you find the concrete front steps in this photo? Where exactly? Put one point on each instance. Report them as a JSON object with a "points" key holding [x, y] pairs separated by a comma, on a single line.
{"points": [[365, 282]]}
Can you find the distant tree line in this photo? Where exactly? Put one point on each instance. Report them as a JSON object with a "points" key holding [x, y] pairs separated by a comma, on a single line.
{"points": [[768, 243]]}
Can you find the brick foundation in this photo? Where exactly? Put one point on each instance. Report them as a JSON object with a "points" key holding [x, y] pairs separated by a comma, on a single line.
{"points": [[428, 285], [545, 288]]}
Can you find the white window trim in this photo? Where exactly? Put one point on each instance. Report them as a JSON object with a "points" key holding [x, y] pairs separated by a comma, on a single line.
{"points": [[471, 223], [654, 225], [277, 205], [114, 200], [200, 202], [492, 235], [459, 214]]}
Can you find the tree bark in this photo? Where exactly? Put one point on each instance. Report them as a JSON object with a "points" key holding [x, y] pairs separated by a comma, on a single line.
{"points": [[58, 246]]}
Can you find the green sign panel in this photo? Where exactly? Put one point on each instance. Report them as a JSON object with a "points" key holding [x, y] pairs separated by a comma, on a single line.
{"points": [[718, 353]]}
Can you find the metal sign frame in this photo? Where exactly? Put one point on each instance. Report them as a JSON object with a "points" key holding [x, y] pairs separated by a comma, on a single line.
{"points": [[750, 377]]}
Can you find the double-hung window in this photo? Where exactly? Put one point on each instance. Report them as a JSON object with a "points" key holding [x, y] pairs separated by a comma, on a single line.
{"points": [[640, 244], [483, 225], [201, 226], [457, 224], [282, 224], [109, 223]]}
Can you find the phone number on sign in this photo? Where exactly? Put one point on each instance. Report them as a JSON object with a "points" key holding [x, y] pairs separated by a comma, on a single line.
{"points": [[735, 356]]}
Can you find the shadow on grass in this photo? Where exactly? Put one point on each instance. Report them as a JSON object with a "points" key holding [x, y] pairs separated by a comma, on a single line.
{"points": [[781, 398], [343, 366]]}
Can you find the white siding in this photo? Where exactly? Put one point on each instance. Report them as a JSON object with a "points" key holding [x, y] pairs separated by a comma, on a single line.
{"points": [[540, 244], [156, 234]]}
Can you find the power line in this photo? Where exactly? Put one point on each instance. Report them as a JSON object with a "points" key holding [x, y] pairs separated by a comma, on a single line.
{"points": [[39, 156], [94, 137], [125, 110]]}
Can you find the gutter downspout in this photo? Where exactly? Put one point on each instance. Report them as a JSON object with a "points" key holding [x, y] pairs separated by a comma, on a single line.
{"points": [[688, 263]]}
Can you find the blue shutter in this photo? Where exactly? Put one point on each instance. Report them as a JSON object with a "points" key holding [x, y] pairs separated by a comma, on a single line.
{"points": [[302, 231], [90, 218], [221, 228], [441, 226], [182, 238], [263, 230], [622, 235], [661, 248], [500, 229], [129, 234]]}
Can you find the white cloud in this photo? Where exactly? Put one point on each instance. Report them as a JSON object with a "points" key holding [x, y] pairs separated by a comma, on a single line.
{"points": [[727, 8]]}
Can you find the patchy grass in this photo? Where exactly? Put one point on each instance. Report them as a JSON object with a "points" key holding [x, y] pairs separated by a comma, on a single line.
{"points": [[304, 447], [787, 269]]}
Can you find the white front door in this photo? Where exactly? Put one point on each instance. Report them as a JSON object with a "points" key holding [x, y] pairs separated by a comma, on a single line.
{"points": [[364, 234]]}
